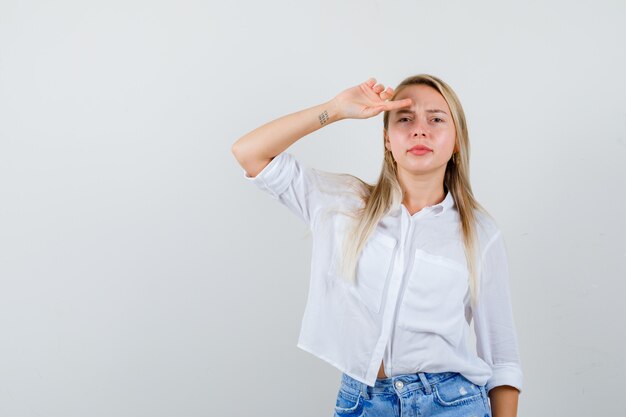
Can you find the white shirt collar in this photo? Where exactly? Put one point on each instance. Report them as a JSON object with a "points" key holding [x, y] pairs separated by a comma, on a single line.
{"points": [[436, 209]]}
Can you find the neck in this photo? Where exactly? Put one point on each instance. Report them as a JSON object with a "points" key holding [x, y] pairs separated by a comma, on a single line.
{"points": [[419, 191]]}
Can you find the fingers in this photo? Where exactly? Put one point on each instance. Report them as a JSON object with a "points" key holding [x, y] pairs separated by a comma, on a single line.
{"points": [[398, 104], [387, 94], [371, 82], [383, 93]]}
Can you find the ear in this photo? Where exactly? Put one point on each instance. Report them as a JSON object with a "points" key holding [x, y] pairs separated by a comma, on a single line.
{"points": [[387, 144]]}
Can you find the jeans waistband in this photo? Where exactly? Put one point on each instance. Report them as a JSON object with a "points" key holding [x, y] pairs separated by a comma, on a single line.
{"points": [[396, 384]]}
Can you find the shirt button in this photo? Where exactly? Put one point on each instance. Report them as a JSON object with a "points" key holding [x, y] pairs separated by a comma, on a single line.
{"points": [[399, 384]]}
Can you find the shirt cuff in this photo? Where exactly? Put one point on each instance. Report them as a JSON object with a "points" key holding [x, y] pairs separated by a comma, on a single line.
{"points": [[505, 375]]}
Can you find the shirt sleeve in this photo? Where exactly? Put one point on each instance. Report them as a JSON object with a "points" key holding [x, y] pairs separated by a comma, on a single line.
{"points": [[293, 184], [496, 338]]}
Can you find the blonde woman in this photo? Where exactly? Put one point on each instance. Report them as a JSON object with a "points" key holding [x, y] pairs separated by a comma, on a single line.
{"points": [[401, 267]]}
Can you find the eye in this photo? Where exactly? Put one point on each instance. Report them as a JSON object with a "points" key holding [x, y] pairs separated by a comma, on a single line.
{"points": [[437, 118], [404, 118]]}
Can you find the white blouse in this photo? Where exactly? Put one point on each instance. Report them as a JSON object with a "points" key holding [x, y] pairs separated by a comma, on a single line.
{"points": [[410, 305]]}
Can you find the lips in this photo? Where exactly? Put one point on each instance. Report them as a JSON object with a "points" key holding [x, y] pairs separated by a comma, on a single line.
{"points": [[420, 148]]}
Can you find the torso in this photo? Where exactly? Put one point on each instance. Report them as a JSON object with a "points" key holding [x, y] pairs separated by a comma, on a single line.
{"points": [[381, 371]]}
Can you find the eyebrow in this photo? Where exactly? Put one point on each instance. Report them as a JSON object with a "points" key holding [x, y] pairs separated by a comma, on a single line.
{"points": [[401, 111]]}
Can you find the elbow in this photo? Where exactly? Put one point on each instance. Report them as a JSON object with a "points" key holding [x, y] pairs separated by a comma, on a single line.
{"points": [[251, 162], [243, 160], [235, 149], [238, 152]]}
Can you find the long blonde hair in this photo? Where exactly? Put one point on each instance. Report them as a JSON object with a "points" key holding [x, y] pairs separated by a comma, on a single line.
{"points": [[379, 198]]}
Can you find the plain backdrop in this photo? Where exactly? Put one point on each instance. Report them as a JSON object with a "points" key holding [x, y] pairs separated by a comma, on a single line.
{"points": [[142, 275]]}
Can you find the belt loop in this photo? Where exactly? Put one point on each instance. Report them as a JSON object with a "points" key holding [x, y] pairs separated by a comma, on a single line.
{"points": [[364, 391], [425, 382]]}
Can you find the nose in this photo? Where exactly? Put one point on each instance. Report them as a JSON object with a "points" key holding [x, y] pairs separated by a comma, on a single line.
{"points": [[418, 129]]}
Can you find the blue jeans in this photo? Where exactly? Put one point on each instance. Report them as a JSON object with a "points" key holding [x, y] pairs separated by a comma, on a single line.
{"points": [[442, 394]]}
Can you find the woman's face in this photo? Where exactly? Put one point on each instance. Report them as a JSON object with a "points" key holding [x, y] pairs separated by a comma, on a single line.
{"points": [[426, 122]]}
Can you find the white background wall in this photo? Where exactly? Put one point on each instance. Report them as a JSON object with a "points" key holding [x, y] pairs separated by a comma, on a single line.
{"points": [[140, 275]]}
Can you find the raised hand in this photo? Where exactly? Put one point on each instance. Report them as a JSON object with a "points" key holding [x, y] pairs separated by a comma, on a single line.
{"points": [[367, 100]]}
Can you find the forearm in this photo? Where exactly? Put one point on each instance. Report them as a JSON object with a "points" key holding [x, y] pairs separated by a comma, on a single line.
{"points": [[504, 400], [255, 149]]}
